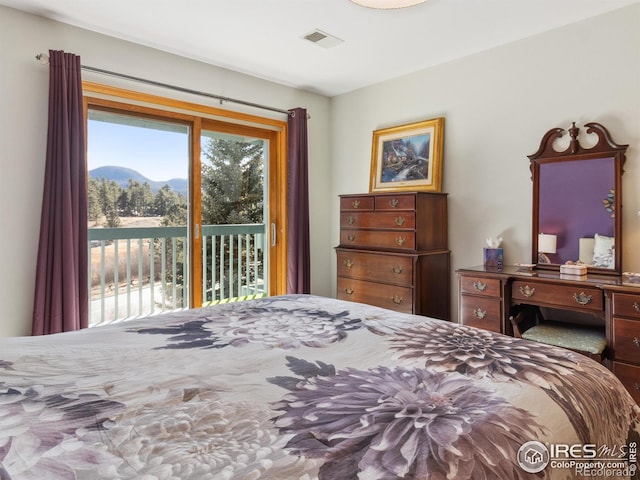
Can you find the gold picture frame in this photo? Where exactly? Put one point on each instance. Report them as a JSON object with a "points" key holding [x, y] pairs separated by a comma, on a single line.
{"points": [[408, 157]]}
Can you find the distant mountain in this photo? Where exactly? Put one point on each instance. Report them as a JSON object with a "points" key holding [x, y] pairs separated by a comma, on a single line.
{"points": [[122, 175]]}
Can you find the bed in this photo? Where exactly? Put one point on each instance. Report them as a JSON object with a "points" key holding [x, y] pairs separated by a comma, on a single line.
{"points": [[299, 387]]}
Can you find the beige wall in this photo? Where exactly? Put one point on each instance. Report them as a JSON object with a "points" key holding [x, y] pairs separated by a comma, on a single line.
{"points": [[497, 105], [23, 108]]}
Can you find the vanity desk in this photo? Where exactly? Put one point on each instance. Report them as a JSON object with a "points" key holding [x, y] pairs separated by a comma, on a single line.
{"points": [[489, 296], [576, 227]]}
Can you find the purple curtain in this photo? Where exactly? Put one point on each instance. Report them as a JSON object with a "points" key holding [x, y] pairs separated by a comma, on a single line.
{"points": [[298, 257], [61, 296]]}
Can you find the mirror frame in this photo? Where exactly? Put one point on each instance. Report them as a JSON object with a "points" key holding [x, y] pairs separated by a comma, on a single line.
{"points": [[604, 148]]}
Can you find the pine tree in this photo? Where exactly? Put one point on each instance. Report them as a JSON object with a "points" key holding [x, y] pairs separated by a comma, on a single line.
{"points": [[232, 182]]}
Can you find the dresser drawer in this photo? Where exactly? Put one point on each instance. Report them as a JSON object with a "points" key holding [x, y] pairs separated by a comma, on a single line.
{"points": [[489, 287], [575, 297], [380, 220], [629, 375], [400, 240], [626, 339], [626, 305], [383, 295], [395, 202], [480, 312], [372, 266], [356, 203]]}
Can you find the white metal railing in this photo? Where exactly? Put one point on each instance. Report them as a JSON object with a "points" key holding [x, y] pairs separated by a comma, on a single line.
{"points": [[135, 272]]}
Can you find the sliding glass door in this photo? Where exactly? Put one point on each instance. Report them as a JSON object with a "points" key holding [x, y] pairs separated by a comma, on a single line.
{"points": [[184, 211]]}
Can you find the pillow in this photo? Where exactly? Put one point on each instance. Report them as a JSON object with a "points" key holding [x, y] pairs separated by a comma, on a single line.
{"points": [[603, 251]]}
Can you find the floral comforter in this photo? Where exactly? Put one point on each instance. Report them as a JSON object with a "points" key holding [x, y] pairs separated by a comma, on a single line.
{"points": [[301, 387]]}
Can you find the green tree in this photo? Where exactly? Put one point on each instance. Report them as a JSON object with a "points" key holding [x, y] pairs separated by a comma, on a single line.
{"points": [[109, 195], [232, 182], [171, 206], [93, 196]]}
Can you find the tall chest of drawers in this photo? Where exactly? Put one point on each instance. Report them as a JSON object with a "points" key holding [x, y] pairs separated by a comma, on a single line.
{"points": [[393, 252]]}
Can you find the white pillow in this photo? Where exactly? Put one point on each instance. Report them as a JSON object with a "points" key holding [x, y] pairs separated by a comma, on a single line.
{"points": [[603, 251]]}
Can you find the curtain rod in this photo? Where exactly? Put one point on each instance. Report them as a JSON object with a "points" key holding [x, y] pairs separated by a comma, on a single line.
{"points": [[44, 59]]}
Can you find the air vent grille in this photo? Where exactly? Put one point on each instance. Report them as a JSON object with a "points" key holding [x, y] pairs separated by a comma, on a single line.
{"points": [[322, 38]]}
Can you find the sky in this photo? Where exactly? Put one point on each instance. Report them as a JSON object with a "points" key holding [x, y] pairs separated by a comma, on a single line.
{"points": [[159, 155]]}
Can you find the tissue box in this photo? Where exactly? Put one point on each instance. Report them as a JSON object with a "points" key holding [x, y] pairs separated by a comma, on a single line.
{"points": [[493, 257], [573, 269]]}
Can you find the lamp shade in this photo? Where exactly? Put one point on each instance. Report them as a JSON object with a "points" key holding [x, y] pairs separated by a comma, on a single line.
{"points": [[547, 243], [387, 4]]}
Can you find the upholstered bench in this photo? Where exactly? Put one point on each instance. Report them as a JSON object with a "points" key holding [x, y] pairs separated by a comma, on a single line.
{"points": [[589, 341]]}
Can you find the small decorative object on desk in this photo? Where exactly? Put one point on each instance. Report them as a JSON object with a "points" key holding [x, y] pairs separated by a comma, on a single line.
{"points": [[573, 268], [493, 254], [631, 278], [525, 267]]}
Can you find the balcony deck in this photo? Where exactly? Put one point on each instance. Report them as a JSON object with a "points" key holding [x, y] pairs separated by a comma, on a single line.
{"points": [[136, 272]]}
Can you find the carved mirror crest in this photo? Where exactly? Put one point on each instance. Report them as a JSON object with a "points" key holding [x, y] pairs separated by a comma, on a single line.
{"points": [[577, 201]]}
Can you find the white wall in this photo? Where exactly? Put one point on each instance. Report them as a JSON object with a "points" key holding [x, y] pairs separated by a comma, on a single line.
{"points": [[497, 105], [23, 109]]}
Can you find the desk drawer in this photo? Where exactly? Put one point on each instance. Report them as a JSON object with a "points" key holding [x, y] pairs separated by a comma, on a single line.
{"points": [[383, 295], [480, 312], [488, 287], [379, 220], [626, 305], [626, 340], [574, 297], [629, 375], [400, 240], [374, 266]]}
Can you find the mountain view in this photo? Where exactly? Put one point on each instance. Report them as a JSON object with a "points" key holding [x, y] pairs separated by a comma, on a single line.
{"points": [[122, 175]]}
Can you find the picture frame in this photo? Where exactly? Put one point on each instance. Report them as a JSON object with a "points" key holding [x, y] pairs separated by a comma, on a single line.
{"points": [[408, 157]]}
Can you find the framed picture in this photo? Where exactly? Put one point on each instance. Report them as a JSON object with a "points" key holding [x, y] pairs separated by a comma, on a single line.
{"points": [[408, 157]]}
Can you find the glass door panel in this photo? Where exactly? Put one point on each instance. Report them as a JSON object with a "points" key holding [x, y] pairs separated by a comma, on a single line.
{"points": [[138, 215], [233, 215]]}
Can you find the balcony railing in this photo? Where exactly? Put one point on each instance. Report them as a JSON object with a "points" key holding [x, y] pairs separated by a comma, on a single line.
{"points": [[135, 272]]}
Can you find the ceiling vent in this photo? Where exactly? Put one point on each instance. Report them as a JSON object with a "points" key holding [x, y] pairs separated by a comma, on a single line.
{"points": [[323, 39]]}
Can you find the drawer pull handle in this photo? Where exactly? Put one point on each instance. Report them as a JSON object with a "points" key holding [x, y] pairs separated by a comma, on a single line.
{"points": [[400, 221], [400, 241], [348, 291], [636, 306], [397, 270], [348, 263], [393, 203], [479, 314], [527, 291], [351, 220], [355, 204], [636, 340], [582, 298], [351, 237], [480, 286], [637, 387], [397, 299]]}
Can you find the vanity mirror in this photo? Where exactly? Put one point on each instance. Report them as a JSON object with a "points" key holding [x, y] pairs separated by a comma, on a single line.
{"points": [[577, 201]]}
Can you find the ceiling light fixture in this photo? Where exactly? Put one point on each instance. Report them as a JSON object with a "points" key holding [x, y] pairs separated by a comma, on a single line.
{"points": [[388, 4]]}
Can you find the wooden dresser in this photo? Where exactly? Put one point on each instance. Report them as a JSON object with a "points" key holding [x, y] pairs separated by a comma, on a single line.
{"points": [[393, 252], [487, 297], [623, 310]]}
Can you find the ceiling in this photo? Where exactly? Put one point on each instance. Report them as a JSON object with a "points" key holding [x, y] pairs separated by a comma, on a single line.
{"points": [[265, 38]]}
